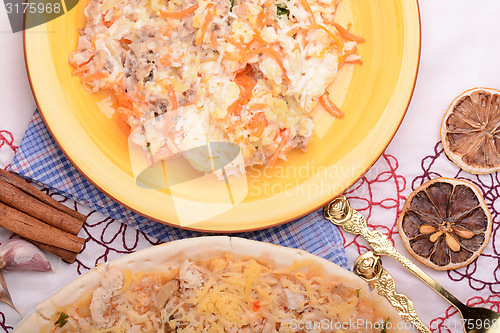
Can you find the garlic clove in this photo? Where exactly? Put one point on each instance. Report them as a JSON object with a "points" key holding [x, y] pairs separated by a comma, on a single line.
{"points": [[4, 293], [19, 255]]}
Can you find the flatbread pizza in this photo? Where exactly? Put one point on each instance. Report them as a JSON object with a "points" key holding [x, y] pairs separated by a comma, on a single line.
{"points": [[215, 284]]}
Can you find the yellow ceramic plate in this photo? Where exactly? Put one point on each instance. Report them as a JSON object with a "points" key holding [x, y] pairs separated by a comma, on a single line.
{"points": [[373, 96]]}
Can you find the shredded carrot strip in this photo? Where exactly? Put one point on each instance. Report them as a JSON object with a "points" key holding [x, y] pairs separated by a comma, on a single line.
{"points": [[232, 40], [123, 98], [109, 22], [180, 14], [259, 23], [308, 9], [93, 77], [119, 117], [256, 306], [106, 23], [171, 96], [329, 106], [125, 43], [165, 60], [356, 61], [126, 105], [281, 147], [346, 34], [336, 5], [112, 83], [272, 23], [213, 39], [136, 112], [354, 51], [293, 31], [337, 40], [271, 52], [211, 10], [71, 54], [258, 38], [140, 97], [264, 18], [350, 52], [246, 84], [166, 30], [79, 71], [258, 123], [243, 48], [78, 51]]}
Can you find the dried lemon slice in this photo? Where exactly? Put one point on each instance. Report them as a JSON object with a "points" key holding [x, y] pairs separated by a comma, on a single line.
{"points": [[470, 131], [445, 223]]}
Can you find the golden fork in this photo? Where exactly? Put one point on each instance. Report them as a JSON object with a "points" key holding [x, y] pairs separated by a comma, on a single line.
{"points": [[340, 212], [368, 266]]}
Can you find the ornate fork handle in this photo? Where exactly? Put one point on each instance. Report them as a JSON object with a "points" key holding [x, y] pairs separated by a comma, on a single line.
{"points": [[339, 212], [368, 266], [381, 245]]}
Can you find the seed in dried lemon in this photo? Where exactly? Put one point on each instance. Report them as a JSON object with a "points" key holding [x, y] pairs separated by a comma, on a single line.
{"points": [[445, 223], [470, 131]]}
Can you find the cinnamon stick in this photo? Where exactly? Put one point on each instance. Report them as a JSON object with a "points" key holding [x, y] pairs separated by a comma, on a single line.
{"points": [[16, 198], [33, 229], [65, 255], [34, 192]]}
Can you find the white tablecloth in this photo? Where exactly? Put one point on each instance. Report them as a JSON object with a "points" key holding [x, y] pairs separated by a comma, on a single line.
{"points": [[460, 50]]}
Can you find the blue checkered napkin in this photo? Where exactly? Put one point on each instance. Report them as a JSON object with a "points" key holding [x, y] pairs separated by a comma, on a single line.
{"points": [[40, 159]]}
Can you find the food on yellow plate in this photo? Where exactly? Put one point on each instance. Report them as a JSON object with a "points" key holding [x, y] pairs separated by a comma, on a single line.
{"points": [[187, 72], [216, 284], [470, 130], [445, 223]]}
